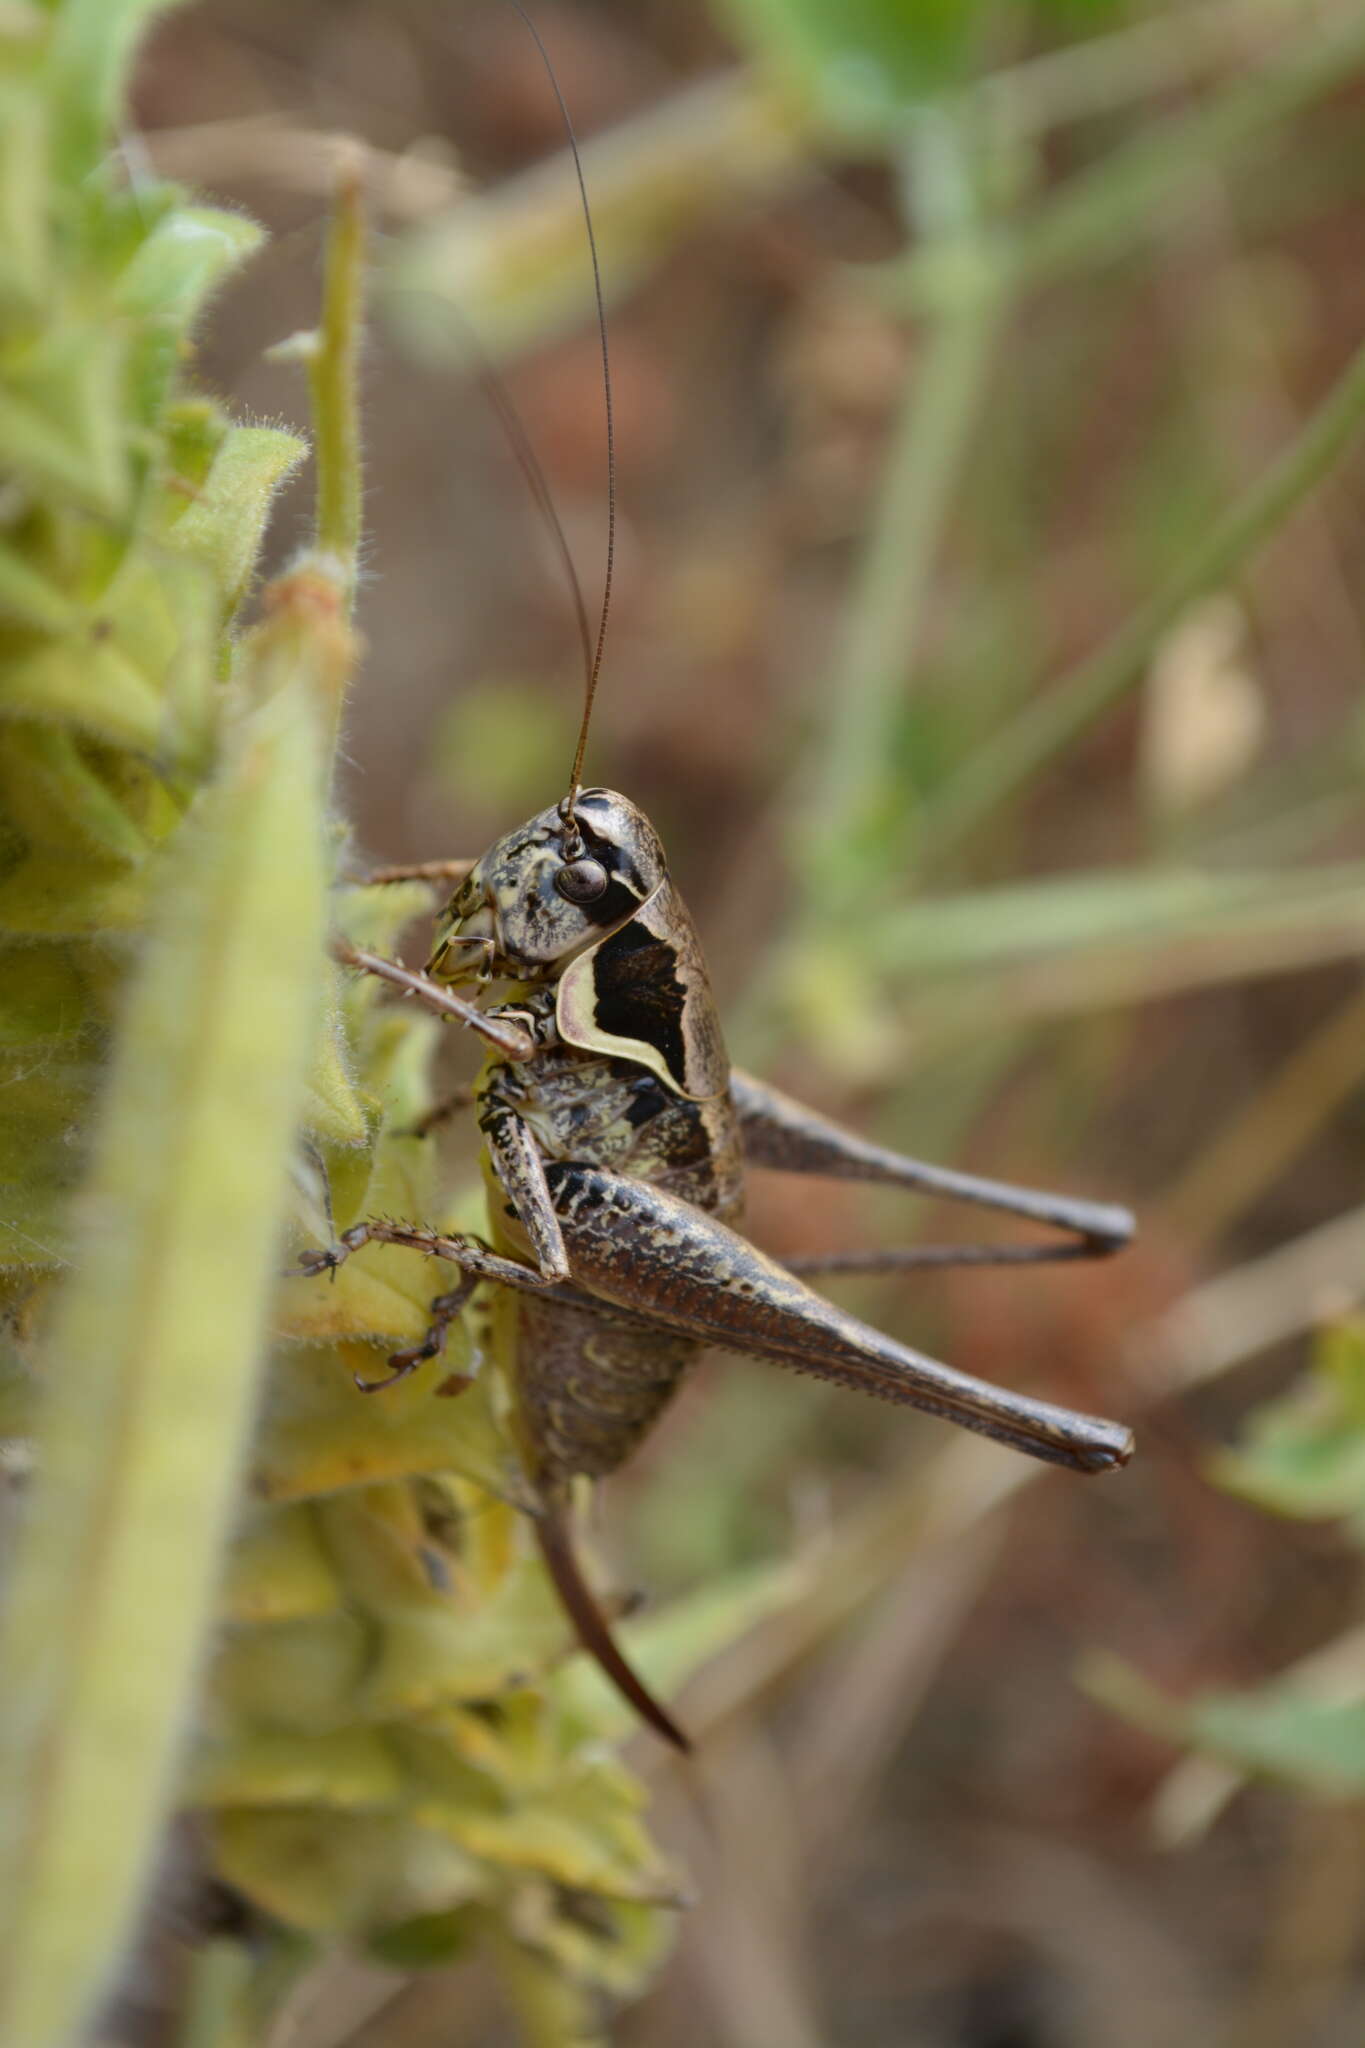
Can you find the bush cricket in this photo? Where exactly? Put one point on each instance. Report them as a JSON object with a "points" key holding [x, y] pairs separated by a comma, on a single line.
{"points": [[616, 1137]]}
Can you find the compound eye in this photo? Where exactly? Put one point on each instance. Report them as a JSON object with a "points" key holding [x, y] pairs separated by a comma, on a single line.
{"points": [[582, 881]]}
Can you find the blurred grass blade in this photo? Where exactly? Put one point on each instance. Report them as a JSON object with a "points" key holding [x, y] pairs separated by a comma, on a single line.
{"points": [[1270, 1128], [1241, 1314], [1055, 720], [151, 1370], [1095, 916], [858, 796], [1158, 53]]}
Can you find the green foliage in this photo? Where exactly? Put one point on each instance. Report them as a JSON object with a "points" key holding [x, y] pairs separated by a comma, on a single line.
{"points": [[1302, 1456], [384, 1746], [863, 64], [161, 892], [505, 741]]}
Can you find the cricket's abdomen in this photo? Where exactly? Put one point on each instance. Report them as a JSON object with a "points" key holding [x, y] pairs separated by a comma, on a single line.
{"points": [[587, 1388]]}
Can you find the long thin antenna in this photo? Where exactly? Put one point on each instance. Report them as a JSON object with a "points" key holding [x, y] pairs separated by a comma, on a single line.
{"points": [[510, 420], [595, 669]]}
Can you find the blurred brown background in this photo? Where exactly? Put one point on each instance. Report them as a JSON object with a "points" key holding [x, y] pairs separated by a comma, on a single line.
{"points": [[908, 1824]]}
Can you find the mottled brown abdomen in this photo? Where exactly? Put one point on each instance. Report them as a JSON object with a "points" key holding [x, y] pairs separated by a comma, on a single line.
{"points": [[587, 1390]]}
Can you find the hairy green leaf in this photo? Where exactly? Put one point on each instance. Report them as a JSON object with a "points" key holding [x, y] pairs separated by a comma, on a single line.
{"points": [[143, 1426]]}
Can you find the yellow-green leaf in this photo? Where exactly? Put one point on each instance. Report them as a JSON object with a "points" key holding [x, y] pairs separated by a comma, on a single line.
{"points": [[350, 1768], [320, 1434], [222, 524], [337, 1873], [278, 1570]]}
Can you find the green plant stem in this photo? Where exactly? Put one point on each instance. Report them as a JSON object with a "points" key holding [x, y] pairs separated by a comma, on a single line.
{"points": [[885, 623], [215, 2010], [853, 785], [1050, 723], [849, 788], [333, 377], [550, 2012]]}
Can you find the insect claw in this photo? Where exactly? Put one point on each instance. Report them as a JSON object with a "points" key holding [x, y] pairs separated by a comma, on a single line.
{"points": [[400, 1365], [311, 1263]]}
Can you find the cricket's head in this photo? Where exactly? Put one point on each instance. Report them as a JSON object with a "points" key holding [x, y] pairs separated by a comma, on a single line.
{"points": [[549, 889]]}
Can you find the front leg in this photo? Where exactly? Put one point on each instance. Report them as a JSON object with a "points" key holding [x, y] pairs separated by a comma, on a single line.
{"points": [[513, 1041], [520, 1169], [451, 871]]}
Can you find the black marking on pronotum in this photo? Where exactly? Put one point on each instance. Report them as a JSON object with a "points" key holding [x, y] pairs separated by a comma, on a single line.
{"points": [[639, 994]]}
